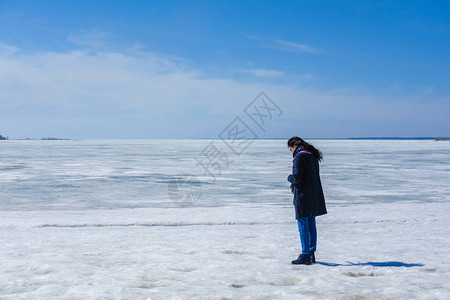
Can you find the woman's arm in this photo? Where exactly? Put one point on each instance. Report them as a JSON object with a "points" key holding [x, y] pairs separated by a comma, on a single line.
{"points": [[295, 177]]}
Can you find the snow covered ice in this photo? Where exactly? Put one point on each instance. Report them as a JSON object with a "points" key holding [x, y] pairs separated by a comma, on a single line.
{"points": [[92, 220]]}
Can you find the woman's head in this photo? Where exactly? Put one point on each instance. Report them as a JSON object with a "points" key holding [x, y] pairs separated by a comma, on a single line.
{"points": [[295, 142]]}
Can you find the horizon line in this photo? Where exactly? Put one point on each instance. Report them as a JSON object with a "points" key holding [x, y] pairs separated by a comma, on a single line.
{"points": [[218, 138]]}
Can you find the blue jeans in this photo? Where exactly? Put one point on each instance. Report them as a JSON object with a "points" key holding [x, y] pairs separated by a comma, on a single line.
{"points": [[308, 234]]}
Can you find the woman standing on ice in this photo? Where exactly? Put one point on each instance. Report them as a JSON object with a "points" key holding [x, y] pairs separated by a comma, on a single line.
{"points": [[309, 200]]}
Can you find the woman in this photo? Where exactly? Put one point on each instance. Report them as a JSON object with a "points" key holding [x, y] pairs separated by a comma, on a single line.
{"points": [[309, 200]]}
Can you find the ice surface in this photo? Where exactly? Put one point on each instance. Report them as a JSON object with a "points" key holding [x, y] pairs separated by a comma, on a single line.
{"points": [[92, 220]]}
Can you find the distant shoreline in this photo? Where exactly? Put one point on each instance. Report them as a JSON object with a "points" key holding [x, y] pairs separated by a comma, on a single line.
{"points": [[216, 138], [349, 138]]}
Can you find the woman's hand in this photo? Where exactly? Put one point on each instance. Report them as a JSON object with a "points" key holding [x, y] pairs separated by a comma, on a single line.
{"points": [[292, 188]]}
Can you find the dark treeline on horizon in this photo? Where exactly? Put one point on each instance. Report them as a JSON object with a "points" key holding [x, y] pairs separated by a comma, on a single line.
{"points": [[33, 139]]}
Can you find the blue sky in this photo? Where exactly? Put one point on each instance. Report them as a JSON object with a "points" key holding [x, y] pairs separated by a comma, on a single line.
{"points": [[186, 69]]}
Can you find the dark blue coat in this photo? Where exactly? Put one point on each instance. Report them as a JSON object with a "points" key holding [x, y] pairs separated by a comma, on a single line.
{"points": [[308, 194]]}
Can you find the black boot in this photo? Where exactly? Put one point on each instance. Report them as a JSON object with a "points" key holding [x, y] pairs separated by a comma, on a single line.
{"points": [[303, 259], [313, 257]]}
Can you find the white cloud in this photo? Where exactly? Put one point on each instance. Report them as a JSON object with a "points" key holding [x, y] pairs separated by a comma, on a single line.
{"points": [[283, 45], [137, 86], [88, 38], [307, 76], [291, 46], [99, 93], [6, 50], [265, 73]]}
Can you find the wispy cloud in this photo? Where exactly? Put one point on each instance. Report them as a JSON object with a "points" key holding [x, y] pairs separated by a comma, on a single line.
{"points": [[291, 46], [88, 38], [7, 50], [307, 76], [135, 93], [264, 73], [273, 74], [283, 45]]}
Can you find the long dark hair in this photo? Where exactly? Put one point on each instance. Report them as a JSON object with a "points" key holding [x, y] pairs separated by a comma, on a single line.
{"points": [[296, 141]]}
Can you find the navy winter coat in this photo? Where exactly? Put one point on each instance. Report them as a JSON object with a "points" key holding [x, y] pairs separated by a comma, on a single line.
{"points": [[308, 194]]}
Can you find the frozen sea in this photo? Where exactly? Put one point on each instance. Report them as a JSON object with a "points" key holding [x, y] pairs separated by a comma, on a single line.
{"points": [[95, 219]]}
